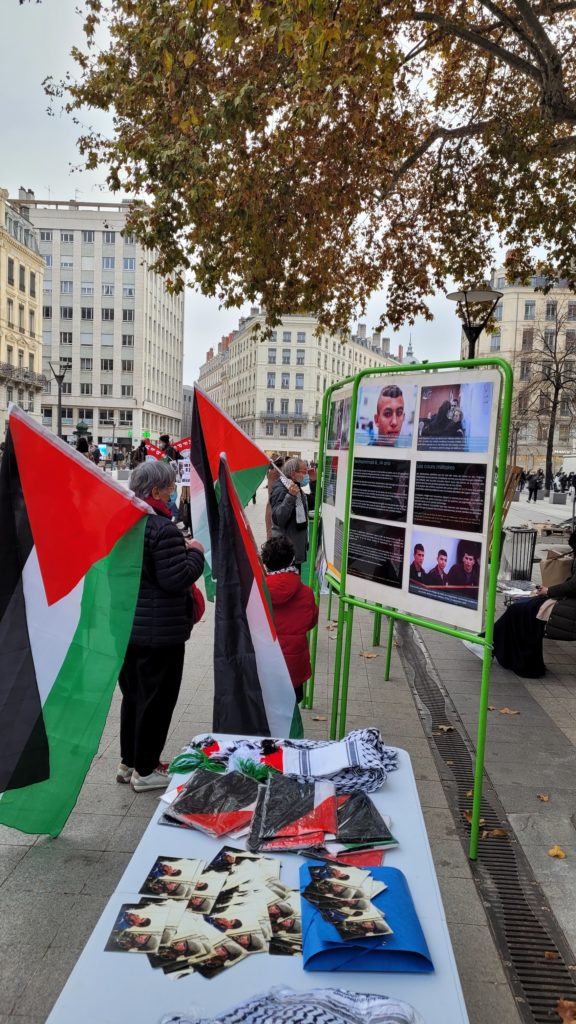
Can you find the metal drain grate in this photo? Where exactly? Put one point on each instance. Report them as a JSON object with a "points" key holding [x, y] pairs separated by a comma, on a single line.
{"points": [[533, 948]]}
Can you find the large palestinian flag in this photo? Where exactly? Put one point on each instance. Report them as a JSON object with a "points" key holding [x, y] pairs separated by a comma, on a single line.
{"points": [[214, 433], [253, 692], [71, 545]]}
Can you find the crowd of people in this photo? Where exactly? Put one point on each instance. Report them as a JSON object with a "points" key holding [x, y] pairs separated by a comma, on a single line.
{"points": [[534, 481]]}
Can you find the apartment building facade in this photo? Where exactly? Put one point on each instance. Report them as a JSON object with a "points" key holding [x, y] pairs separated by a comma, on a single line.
{"points": [[21, 277], [274, 387], [109, 321], [530, 322]]}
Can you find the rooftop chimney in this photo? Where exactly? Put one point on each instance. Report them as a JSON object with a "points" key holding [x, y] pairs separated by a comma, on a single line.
{"points": [[209, 355], [400, 352], [361, 330], [377, 338], [386, 346]]}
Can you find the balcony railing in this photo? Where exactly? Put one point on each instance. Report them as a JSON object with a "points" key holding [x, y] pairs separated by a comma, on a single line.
{"points": [[11, 372], [285, 417]]}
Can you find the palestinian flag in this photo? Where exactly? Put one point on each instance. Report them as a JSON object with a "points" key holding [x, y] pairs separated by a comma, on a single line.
{"points": [[71, 544], [246, 462], [154, 450], [253, 692], [212, 434]]}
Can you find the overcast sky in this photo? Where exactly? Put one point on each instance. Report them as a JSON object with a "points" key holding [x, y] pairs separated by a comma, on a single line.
{"points": [[39, 152]]}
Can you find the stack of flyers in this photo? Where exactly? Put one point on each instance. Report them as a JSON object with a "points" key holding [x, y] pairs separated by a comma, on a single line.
{"points": [[217, 914], [346, 902], [215, 804], [293, 815]]}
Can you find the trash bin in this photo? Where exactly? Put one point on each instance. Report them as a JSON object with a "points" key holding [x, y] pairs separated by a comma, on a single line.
{"points": [[520, 546]]}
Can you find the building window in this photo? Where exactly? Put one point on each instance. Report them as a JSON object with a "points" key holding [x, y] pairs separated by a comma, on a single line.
{"points": [[127, 390], [285, 380], [66, 263], [571, 312], [283, 430], [67, 414], [301, 337], [32, 323], [550, 313], [524, 370], [22, 278], [88, 237], [107, 289], [529, 310], [47, 312], [108, 237], [129, 239], [284, 406], [286, 356], [550, 339], [129, 263], [107, 263], [10, 312], [47, 412], [495, 342], [287, 336], [125, 418], [523, 403], [106, 364], [299, 406], [564, 432], [544, 404], [87, 288], [106, 415], [272, 356], [128, 291], [87, 313], [9, 394], [32, 284], [297, 430], [86, 363], [86, 414], [527, 339], [300, 355], [564, 406], [21, 319], [85, 389], [269, 430], [107, 313], [127, 365], [106, 389], [128, 316], [128, 340], [68, 236], [47, 262], [31, 362], [45, 236], [66, 287], [65, 337], [300, 381], [269, 405], [271, 380], [10, 271]]}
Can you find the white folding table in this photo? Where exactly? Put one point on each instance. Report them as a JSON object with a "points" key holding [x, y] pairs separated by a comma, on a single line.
{"points": [[115, 988]]}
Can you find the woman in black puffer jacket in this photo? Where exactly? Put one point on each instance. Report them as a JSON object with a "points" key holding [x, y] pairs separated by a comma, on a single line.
{"points": [[151, 675]]}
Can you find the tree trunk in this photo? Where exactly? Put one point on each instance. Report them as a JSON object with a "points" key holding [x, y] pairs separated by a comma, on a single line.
{"points": [[550, 441]]}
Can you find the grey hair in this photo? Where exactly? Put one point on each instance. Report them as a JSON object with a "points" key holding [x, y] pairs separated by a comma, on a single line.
{"points": [[291, 466], [149, 475]]}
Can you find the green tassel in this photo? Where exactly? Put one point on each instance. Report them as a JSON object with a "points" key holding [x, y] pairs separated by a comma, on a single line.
{"points": [[258, 772], [192, 760]]}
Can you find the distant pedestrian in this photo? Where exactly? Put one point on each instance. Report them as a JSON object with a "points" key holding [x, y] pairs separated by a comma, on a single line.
{"points": [[82, 447], [533, 487], [294, 607], [138, 455]]}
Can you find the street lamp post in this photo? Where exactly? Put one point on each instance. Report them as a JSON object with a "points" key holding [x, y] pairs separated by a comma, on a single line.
{"points": [[59, 378], [471, 325]]}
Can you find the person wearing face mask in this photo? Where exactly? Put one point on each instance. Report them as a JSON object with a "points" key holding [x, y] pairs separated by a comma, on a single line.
{"points": [[290, 507]]}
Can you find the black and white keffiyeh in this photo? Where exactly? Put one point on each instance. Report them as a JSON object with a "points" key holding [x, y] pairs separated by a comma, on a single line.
{"points": [[317, 1006], [300, 511], [358, 763]]}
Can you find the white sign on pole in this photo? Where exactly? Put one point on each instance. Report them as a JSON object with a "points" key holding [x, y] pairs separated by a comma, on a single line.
{"points": [[421, 498]]}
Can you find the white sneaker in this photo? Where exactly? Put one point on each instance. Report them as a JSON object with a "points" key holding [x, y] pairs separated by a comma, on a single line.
{"points": [[476, 649], [158, 779]]}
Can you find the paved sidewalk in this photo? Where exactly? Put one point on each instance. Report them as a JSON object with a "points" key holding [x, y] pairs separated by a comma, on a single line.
{"points": [[53, 890]]}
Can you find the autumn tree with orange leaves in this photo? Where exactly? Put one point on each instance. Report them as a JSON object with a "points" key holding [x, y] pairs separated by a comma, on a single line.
{"points": [[302, 153]]}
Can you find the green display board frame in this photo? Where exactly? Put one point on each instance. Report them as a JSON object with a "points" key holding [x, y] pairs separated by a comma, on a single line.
{"points": [[347, 603]]}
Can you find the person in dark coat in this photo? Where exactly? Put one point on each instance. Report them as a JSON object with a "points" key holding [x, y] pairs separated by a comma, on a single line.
{"points": [[533, 484], [272, 477], [169, 452], [294, 607], [138, 455], [518, 633], [290, 507], [152, 671]]}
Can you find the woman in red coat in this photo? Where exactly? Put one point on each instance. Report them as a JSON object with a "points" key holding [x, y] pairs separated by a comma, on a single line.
{"points": [[295, 610]]}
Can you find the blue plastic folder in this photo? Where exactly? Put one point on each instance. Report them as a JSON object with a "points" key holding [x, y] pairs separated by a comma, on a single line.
{"points": [[405, 951]]}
